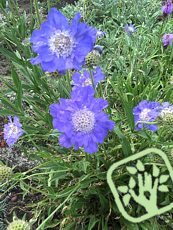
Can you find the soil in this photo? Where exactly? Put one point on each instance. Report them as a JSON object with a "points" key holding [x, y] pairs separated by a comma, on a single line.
{"points": [[24, 4], [17, 204], [4, 66], [2, 142]]}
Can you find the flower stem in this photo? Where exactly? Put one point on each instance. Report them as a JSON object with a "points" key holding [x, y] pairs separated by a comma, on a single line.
{"points": [[37, 12], [52, 214], [48, 5]]}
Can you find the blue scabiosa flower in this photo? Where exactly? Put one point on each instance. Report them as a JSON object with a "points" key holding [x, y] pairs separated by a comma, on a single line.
{"points": [[146, 111], [60, 45], [12, 131], [81, 121], [85, 79], [167, 8], [129, 29], [167, 39]]}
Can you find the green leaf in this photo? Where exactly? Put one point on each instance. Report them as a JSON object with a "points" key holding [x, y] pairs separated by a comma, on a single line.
{"points": [[18, 85], [1, 163], [92, 222], [131, 170], [7, 103], [126, 147], [10, 86], [156, 171], [123, 189], [163, 188], [10, 55], [132, 182], [140, 166], [65, 192], [126, 199], [163, 179], [7, 112], [81, 166]]}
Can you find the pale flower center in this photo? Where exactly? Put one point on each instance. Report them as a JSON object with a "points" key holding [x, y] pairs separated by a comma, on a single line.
{"points": [[87, 82], [13, 130], [61, 43], [143, 116], [166, 113], [83, 121], [130, 29]]}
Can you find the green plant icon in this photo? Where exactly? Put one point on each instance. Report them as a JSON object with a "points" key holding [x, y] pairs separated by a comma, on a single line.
{"points": [[146, 184], [143, 186]]}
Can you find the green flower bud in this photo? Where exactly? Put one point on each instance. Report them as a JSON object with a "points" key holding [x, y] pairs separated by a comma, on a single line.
{"points": [[93, 58], [53, 74], [19, 225], [5, 172], [167, 116]]}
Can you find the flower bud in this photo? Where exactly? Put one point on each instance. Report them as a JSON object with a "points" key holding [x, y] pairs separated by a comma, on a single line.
{"points": [[93, 58], [166, 116], [19, 225], [5, 172]]}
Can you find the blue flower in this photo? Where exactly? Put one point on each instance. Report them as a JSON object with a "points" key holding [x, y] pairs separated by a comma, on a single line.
{"points": [[85, 79], [60, 45], [166, 105], [12, 131], [146, 111], [167, 39], [81, 121], [129, 29], [168, 7]]}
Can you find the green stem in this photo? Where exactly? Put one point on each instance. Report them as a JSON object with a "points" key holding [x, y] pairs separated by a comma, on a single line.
{"points": [[146, 122], [41, 227], [92, 81], [13, 6], [48, 5], [30, 139], [43, 173], [37, 12]]}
